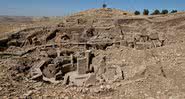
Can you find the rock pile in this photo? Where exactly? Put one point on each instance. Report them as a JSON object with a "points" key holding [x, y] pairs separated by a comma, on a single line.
{"points": [[102, 53]]}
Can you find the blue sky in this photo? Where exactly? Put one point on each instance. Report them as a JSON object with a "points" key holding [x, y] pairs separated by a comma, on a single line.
{"points": [[65, 7]]}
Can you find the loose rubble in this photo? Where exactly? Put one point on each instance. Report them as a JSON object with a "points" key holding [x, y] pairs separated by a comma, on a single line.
{"points": [[101, 57]]}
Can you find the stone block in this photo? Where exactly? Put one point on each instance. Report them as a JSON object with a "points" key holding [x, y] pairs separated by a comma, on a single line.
{"points": [[109, 74], [50, 71], [72, 59], [68, 68], [52, 53], [117, 44], [154, 36], [13, 43], [81, 79], [88, 55], [73, 78], [123, 43], [36, 71], [82, 65], [143, 45], [134, 71], [113, 73], [91, 80], [76, 37], [157, 43], [81, 21]]}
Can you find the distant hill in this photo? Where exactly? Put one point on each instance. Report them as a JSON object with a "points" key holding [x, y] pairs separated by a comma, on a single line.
{"points": [[7, 19], [101, 13]]}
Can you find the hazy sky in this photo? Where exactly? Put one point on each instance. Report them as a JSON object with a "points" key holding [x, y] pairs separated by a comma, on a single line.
{"points": [[64, 7]]}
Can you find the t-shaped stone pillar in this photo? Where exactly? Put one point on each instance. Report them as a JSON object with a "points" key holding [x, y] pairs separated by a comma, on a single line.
{"points": [[72, 60], [87, 56], [81, 65]]}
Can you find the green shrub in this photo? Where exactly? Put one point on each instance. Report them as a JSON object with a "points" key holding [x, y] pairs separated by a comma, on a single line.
{"points": [[104, 5], [156, 12], [174, 11], [145, 12], [164, 11], [137, 13]]}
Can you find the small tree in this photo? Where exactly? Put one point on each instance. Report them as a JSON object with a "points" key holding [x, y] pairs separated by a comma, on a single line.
{"points": [[104, 5], [164, 11], [145, 12], [137, 13], [156, 12], [174, 11]]}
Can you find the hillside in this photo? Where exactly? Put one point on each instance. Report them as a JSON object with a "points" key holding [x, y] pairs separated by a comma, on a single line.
{"points": [[16, 23], [97, 53]]}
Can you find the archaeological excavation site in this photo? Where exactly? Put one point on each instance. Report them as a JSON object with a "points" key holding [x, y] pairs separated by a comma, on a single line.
{"points": [[96, 54]]}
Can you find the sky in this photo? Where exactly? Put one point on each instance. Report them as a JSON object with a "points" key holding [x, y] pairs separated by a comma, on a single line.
{"points": [[67, 7]]}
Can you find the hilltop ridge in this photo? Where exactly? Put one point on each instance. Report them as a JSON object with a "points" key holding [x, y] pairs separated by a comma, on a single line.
{"points": [[97, 53]]}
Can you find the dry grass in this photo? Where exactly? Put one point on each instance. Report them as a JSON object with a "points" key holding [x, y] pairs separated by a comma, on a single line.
{"points": [[16, 24]]}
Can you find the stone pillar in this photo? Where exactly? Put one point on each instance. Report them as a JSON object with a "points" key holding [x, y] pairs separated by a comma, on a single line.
{"points": [[85, 46], [81, 65], [88, 55], [72, 61], [76, 37], [58, 52]]}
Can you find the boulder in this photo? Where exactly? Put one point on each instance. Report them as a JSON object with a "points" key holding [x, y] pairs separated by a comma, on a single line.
{"points": [[134, 71], [50, 70], [73, 78], [113, 73], [14, 43], [154, 36], [36, 70], [4, 41]]}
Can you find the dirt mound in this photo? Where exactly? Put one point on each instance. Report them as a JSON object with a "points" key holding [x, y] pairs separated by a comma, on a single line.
{"points": [[104, 12], [94, 54]]}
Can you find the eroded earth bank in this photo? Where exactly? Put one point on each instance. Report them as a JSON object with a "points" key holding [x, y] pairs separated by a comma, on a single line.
{"points": [[99, 53]]}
